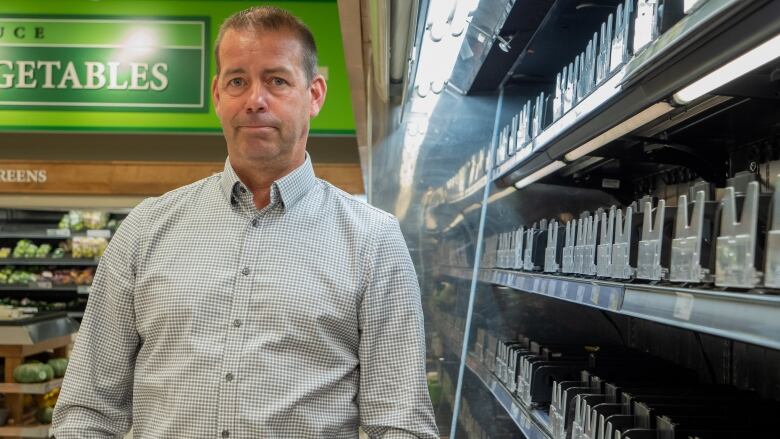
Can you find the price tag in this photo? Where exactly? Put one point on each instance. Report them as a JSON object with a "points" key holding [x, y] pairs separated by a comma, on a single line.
{"points": [[536, 285], [594, 295], [43, 284], [515, 410], [84, 289], [564, 288], [580, 293], [525, 422], [613, 301], [552, 286], [99, 233], [683, 306], [60, 233]]}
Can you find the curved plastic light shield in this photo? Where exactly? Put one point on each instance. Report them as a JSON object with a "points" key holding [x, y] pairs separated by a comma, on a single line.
{"points": [[753, 59]]}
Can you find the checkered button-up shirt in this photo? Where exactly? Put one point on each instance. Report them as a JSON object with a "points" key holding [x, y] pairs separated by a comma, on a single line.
{"points": [[209, 318]]}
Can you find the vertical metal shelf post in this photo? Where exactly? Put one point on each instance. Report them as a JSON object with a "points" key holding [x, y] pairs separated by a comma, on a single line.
{"points": [[477, 258]]}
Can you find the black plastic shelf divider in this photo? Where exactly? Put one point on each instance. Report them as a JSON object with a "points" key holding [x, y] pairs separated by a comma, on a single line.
{"points": [[742, 316], [531, 423]]}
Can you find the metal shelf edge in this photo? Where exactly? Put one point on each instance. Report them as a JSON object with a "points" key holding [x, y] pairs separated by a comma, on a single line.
{"points": [[31, 388], [746, 317], [528, 424]]}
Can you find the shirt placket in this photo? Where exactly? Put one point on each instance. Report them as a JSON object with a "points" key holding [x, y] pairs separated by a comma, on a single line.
{"points": [[232, 379]]}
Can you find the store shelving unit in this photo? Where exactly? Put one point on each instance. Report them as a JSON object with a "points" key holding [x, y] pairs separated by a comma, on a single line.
{"points": [[50, 262], [637, 132], [18, 341], [45, 286], [31, 389], [50, 234], [32, 430], [533, 424], [752, 318], [707, 38]]}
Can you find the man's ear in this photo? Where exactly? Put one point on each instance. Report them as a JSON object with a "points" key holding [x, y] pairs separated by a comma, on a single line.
{"points": [[215, 91], [318, 89]]}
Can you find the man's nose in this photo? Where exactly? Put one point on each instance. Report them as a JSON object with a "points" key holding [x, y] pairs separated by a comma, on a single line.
{"points": [[257, 100]]}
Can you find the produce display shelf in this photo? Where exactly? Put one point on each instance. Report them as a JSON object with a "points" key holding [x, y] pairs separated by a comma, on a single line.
{"points": [[31, 388], [533, 423], [50, 261], [33, 430], [45, 286], [53, 234], [743, 316]]}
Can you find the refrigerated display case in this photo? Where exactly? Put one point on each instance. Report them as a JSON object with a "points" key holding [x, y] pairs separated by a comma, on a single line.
{"points": [[590, 204]]}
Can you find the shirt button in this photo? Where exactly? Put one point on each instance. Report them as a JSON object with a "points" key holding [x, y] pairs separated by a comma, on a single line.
{"points": [[245, 271], [225, 433], [255, 223], [237, 323], [229, 377]]}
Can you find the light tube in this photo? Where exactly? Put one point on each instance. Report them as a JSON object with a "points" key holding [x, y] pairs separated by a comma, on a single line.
{"points": [[547, 170], [755, 58], [640, 119]]}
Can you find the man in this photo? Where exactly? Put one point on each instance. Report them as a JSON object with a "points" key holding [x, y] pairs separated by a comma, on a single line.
{"points": [[258, 303]]}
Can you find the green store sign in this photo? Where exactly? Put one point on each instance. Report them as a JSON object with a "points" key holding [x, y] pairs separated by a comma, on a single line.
{"points": [[131, 66], [106, 63]]}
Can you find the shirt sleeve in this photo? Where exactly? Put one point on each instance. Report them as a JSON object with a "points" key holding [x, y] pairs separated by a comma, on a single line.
{"points": [[96, 396], [393, 396]]}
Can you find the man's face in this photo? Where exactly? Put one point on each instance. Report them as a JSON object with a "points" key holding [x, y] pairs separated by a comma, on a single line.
{"points": [[262, 97]]}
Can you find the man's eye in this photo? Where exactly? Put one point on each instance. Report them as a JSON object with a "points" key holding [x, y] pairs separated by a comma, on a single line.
{"points": [[279, 82], [236, 82]]}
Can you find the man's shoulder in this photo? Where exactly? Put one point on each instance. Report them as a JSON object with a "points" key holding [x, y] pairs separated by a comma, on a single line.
{"points": [[352, 205], [182, 196]]}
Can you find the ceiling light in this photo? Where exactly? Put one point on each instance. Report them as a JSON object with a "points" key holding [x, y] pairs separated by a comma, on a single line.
{"points": [[751, 60], [638, 120], [547, 170]]}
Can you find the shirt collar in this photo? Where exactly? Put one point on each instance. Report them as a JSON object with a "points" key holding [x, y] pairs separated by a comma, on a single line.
{"points": [[288, 189]]}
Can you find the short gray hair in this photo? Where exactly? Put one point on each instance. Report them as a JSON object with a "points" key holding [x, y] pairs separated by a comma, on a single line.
{"points": [[269, 18]]}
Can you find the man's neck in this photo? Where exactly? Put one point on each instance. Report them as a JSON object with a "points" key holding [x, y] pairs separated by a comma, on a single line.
{"points": [[259, 179]]}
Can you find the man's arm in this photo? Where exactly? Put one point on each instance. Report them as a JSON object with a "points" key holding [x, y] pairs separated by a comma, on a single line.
{"points": [[96, 397], [393, 396]]}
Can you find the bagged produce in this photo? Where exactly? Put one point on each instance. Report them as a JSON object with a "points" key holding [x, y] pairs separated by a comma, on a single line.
{"points": [[89, 248]]}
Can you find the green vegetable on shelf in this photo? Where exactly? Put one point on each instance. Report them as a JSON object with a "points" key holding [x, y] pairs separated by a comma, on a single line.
{"points": [[64, 222], [44, 415], [32, 373], [22, 247], [5, 252], [59, 365], [58, 253], [76, 222], [43, 251]]}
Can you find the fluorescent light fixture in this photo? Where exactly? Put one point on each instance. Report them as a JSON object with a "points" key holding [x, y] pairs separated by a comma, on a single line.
{"points": [[689, 4], [638, 120], [547, 170], [755, 58]]}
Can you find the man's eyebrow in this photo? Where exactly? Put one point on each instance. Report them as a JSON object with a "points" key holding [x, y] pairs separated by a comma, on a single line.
{"points": [[235, 70], [279, 69]]}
